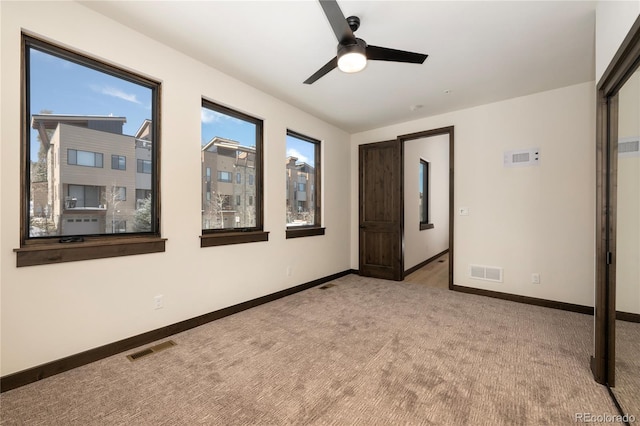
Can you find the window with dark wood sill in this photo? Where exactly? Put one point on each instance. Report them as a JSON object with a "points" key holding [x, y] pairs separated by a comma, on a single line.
{"points": [[77, 248], [227, 238], [303, 181], [304, 232], [74, 205], [231, 187]]}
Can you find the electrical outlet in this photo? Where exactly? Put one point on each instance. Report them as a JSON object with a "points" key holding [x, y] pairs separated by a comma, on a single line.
{"points": [[289, 271], [535, 278], [464, 211], [158, 302]]}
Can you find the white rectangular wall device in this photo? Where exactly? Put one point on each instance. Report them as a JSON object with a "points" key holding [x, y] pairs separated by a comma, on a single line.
{"points": [[629, 147], [522, 157]]}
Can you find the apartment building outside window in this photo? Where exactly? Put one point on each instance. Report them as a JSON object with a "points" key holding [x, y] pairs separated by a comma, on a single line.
{"points": [[231, 151], [79, 112]]}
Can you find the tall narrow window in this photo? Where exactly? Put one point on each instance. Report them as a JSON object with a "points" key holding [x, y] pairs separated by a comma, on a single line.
{"points": [[302, 166], [424, 194], [231, 147], [79, 113]]}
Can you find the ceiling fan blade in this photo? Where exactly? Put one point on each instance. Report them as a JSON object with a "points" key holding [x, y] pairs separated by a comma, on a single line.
{"points": [[376, 53], [322, 71], [338, 21]]}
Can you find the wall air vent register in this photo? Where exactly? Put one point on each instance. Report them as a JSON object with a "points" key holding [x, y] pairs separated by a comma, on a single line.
{"points": [[629, 147], [486, 273], [522, 157]]}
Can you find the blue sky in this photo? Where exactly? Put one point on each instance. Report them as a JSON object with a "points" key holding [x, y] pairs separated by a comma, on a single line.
{"points": [[217, 124], [65, 87]]}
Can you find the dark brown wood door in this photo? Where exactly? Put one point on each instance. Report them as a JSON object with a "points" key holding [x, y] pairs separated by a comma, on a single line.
{"points": [[381, 210]]}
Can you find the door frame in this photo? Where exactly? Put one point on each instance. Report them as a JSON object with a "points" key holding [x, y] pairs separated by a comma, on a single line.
{"points": [[449, 130], [622, 66]]}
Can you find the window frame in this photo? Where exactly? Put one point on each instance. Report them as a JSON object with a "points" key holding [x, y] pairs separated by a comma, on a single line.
{"points": [[316, 228], [60, 248], [118, 157], [227, 236], [142, 162], [426, 224], [228, 179], [96, 155]]}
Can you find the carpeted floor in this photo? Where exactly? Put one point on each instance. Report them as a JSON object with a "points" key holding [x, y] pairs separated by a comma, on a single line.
{"points": [[627, 389], [363, 352]]}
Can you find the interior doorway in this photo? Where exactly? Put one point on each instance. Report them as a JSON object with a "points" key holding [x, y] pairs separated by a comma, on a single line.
{"points": [[426, 209], [381, 212]]}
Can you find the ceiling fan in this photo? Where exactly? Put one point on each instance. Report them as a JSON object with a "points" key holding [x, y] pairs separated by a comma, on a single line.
{"points": [[354, 52]]}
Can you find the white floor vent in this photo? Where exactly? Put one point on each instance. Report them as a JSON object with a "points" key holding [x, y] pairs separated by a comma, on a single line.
{"points": [[629, 147], [487, 273]]}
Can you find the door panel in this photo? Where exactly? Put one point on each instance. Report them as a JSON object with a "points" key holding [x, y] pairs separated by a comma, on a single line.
{"points": [[381, 210]]}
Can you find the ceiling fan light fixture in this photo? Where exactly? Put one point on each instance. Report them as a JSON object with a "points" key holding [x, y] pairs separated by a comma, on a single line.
{"points": [[352, 58]]}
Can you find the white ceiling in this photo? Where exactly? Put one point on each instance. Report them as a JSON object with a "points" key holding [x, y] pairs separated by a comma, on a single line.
{"points": [[480, 51]]}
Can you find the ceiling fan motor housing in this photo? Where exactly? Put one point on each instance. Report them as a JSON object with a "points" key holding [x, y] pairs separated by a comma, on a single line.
{"points": [[352, 57]]}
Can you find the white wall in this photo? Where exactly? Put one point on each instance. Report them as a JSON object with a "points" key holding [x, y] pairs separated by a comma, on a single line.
{"points": [[536, 219], [422, 245], [613, 22], [52, 311]]}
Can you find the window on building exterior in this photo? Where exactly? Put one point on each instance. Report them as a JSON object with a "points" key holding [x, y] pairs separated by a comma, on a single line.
{"points": [[118, 162], [84, 158], [224, 176], [81, 112], [423, 189], [302, 165], [144, 166], [231, 146]]}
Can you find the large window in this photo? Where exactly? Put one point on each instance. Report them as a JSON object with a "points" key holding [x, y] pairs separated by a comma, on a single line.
{"points": [[79, 112], [302, 165], [231, 151]]}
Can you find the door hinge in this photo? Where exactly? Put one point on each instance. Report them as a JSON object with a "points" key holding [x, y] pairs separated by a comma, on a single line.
{"points": [[609, 258]]}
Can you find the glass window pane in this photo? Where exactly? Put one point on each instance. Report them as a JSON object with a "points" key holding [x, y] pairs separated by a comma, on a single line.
{"points": [[423, 189], [86, 110], [86, 159], [301, 167], [228, 151]]}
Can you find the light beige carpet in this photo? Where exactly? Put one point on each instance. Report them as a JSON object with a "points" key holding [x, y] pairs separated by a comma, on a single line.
{"points": [[363, 352], [627, 389]]}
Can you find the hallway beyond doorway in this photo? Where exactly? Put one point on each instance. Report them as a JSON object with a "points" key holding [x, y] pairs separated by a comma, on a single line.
{"points": [[434, 274]]}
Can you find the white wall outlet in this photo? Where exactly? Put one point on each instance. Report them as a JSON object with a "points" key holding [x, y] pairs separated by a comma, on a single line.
{"points": [[464, 211], [289, 271], [158, 302], [535, 278]]}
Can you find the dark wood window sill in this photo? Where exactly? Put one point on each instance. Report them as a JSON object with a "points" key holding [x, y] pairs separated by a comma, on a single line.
{"points": [[304, 232], [424, 226], [226, 238], [46, 252]]}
